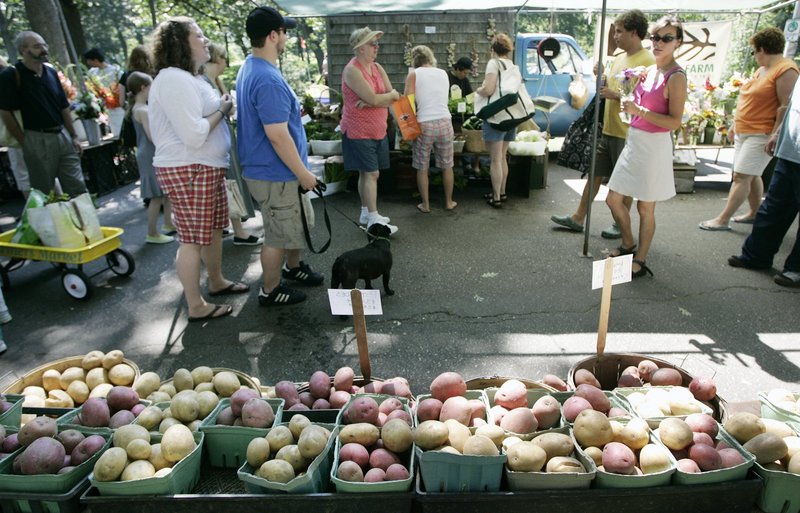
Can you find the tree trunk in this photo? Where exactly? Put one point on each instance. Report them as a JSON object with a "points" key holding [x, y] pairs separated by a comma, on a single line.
{"points": [[44, 20], [8, 38], [73, 16]]}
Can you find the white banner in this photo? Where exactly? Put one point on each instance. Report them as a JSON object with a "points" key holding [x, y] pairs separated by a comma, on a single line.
{"points": [[702, 55]]}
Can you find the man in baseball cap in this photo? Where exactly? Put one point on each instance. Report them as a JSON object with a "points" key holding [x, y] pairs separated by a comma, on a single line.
{"points": [[263, 20], [459, 75]]}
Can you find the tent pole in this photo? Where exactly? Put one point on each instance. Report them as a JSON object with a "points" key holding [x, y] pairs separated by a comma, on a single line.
{"points": [[70, 46], [597, 114]]}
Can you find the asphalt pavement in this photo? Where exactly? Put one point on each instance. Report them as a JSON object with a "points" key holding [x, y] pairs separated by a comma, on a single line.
{"points": [[480, 291]]}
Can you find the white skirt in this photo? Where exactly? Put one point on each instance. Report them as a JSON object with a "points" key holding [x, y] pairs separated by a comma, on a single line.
{"points": [[644, 169]]}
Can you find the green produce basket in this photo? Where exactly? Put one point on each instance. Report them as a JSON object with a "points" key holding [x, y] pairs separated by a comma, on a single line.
{"points": [[379, 398], [469, 394], [781, 492], [314, 480], [533, 396], [226, 446], [625, 392], [13, 416], [69, 502], [445, 472], [315, 416], [736, 473], [48, 483], [770, 410], [615, 399], [182, 479], [404, 485], [527, 481]]}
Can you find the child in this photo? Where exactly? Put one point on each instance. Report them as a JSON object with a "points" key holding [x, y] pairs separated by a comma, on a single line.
{"points": [[139, 87]]}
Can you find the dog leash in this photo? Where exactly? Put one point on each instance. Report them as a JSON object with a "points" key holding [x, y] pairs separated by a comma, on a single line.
{"points": [[318, 189]]}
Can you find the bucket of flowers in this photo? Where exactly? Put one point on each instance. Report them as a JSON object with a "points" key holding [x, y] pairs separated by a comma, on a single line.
{"points": [[88, 109]]}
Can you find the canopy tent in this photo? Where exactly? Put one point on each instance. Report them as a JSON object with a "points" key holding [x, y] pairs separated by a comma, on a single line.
{"points": [[333, 7]]}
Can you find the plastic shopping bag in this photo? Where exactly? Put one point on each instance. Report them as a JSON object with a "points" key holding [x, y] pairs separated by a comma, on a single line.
{"points": [[86, 217], [406, 119], [25, 233]]}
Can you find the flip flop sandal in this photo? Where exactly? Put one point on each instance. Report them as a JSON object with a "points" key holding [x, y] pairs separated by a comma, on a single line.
{"points": [[490, 195], [234, 288], [622, 250], [494, 203], [214, 314]]}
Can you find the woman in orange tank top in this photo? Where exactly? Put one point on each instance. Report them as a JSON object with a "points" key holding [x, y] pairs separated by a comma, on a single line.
{"points": [[367, 93], [759, 112]]}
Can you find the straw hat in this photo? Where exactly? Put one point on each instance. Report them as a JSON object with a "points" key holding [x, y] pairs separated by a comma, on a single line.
{"points": [[362, 36]]}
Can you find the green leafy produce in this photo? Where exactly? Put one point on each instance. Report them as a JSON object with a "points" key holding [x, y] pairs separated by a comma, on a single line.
{"points": [[473, 123]]}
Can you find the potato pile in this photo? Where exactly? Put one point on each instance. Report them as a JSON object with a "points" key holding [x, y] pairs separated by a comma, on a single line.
{"points": [[590, 397], [287, 450], [548, 452], [119, 407], [192, 396], [325, 393], [512, 412], [774, 444], [664, 402], [49, 452], [619, 447], [447, 401], [99, 372], [373, 446], [780, 397], [247, 408], [132, 456], [693, 442]]}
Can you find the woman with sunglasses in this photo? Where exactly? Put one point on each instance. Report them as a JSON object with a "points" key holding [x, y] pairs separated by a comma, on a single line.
{"points": [[367, 94], [759, 112], [644, 170]]}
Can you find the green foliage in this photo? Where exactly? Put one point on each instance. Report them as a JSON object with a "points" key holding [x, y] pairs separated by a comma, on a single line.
{"points": [[318, 132], [473, 123]]}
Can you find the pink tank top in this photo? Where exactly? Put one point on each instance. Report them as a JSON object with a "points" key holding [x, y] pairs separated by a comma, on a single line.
{"points": [[366, 122], [650, 95]]}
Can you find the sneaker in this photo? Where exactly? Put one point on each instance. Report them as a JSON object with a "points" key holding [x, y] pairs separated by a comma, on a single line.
{"points": [[280, 295], [303, 274], [788, 279], [5, 317], [3, 346], [168, 229], [159, 239], [567, 222], [612, 232], [249, 241], [372, 217], [392, 228]]}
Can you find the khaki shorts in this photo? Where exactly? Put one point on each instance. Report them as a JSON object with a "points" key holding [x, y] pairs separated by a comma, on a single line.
{"points": [[609, 148], [749, 157], [280, 210]]}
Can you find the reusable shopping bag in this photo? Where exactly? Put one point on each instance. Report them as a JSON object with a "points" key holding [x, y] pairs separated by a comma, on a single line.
{"points": [[403, 112]]}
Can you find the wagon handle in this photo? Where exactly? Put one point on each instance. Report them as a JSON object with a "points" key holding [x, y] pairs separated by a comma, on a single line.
{"points": [[360, 325]]}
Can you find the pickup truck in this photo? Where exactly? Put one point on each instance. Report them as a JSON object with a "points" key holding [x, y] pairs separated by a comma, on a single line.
{"points": [[543, 80]]}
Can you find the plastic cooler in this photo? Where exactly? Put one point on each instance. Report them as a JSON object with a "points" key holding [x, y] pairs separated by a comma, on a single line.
{"points": [[314, 480], [526, 481], [13, 415], [182, 479], [770, 410], [226, 446], [48, 483]]}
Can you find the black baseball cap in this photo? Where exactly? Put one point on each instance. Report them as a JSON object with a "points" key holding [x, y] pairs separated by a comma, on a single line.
{"points": [[463, 63], [263, 20]]}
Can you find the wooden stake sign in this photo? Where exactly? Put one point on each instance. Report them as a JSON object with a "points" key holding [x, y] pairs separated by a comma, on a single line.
{"points": [[606, 273], [360, 325]]}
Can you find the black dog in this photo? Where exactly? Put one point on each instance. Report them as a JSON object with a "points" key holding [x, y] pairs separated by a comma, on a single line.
{"points": [[367, 263]]}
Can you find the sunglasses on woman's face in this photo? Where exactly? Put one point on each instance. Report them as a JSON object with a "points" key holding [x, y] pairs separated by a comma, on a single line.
{"points": [[375, 44], [667, 39]]}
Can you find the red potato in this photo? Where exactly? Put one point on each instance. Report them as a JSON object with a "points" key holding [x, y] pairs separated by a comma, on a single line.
{"points": [[288, 392], [456, 408], [595, 396], [631, 370], [389, 405], [381, 419], [306, 398], [617, 412], [429, 409], [355, 452], [11, 443], [298, 407], [573, 406], [399, 414], [707, 458], [519, 420], [730, 457], [319, 385], [257, 413], [512, 394], [555, 382], [703, 389], [240, 397], [350, 471], [646, 369], [702, 438], [86, 449], [547, 411], [629, 380], [321, 404], [398, 387], [689, 466], [478, 408], [666, 377], [382, 459], [122, 398], [43, 456], [396, 472], [226, 417], [121, 418], [343, 379], [583, 376], [362, 409], [338, 399], [448, 384], [375, 475], [703, 423], [497, 413], [95, 413], [618, 458], [137, 409], [70, 438]]}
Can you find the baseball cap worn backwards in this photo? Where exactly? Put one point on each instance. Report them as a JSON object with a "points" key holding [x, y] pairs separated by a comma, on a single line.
{"points": [[463, 63], [263, 20], [363, 36]]}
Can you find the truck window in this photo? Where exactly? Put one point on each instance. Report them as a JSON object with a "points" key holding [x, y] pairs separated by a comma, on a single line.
{"points": [[568, 60]]}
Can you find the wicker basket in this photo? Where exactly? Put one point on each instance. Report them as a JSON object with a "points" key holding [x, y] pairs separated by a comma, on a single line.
{"points": [[608, 367], [496, 381], [474, 141], [34, 377]]}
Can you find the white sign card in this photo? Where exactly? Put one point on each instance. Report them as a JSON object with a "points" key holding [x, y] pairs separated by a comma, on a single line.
{"points": [[430, 29], [341, 305], [621, 272], [462, 107]]}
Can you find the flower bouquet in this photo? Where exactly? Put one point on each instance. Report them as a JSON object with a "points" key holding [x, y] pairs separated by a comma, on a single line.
{"points": [[87, 106], [628, 79]]}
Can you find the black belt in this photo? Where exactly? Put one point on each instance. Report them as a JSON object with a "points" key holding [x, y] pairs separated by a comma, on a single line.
{"points": [[54, 130]]}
